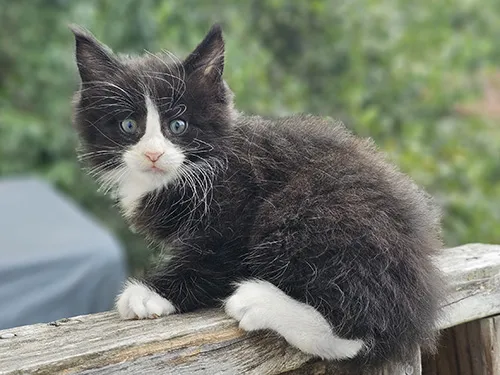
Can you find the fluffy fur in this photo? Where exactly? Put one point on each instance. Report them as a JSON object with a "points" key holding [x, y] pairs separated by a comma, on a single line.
{"points": [[330, 245]]}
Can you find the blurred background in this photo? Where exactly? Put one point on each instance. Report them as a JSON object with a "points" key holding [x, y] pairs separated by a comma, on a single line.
{"points": [[421, 78]]}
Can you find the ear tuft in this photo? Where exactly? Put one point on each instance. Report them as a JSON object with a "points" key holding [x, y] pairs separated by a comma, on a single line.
{"points": [[208, 57], [80, 32], [94, 60]]}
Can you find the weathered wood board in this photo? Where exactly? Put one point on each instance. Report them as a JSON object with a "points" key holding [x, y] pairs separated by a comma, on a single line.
{"points": [[208, 342], [471, 348]]}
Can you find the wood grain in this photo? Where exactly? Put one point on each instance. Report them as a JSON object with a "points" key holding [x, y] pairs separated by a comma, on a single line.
{"points": [[209, 342], [473, 274], [471, 348]]}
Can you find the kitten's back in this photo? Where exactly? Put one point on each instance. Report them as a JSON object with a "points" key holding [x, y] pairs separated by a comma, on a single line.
{"points": [[335, 206]]}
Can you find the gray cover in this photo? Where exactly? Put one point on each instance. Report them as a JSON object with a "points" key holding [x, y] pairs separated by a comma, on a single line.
{"points": [[55, 261]]}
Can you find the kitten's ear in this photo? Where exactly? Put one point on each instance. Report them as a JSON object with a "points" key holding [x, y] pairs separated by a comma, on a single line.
{"points": [[94, 61], [208, 57]]}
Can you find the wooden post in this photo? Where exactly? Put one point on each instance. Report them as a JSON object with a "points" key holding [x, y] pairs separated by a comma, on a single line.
{"points": [[468, 349]]}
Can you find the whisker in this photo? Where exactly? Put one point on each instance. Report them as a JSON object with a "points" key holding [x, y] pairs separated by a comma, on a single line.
{"points": [[94, 154], [105, 136]]}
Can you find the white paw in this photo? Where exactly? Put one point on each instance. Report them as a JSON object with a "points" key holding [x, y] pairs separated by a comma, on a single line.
{"points": [[341, 349], [260, 305], [139, 301], [248, 303]]}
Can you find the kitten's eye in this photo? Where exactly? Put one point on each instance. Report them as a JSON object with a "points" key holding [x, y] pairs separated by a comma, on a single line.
{"points": [[128, 126], [178, 126]]}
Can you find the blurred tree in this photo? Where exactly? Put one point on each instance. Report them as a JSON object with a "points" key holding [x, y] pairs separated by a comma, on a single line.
{"points": [[395, 71]]}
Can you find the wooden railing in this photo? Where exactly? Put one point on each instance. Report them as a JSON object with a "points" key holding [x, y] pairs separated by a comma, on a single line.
{"points": [[209, 342]]}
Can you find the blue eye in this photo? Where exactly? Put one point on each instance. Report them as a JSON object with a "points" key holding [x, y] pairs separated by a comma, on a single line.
{"points": [[178, 126], [128, 126]]}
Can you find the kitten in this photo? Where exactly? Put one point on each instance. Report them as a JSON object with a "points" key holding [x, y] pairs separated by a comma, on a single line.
{"points": [[296, 224]]}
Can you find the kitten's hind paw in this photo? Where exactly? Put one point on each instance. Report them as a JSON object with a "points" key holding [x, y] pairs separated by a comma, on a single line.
{"points": [[258, 304], [138, 301], [248, 306]]}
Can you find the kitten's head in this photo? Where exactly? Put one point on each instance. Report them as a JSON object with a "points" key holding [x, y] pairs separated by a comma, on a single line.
{"points": [[144, 121]]}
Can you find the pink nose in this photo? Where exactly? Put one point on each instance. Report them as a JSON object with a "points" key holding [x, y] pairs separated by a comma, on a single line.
{"points": [[153, 156]]}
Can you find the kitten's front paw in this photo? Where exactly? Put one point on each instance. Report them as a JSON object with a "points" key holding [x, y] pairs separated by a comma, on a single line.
{"points": [[139, 301]]}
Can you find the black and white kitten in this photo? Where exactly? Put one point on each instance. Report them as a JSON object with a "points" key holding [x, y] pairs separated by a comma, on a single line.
{"points": [[298, 226]]}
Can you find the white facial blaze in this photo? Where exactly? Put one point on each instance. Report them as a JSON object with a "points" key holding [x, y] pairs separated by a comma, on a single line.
{"points": [[142, 178], [153, 139]]}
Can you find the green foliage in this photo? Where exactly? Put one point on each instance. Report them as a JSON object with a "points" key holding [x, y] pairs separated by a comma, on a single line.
{"points": [[394, 70]]}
